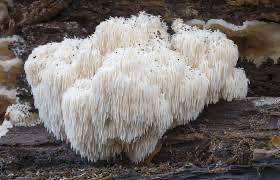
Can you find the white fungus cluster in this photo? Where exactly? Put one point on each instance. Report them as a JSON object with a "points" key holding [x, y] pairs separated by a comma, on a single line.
{"points": [[18, 115], [215, 56], [123, 87]]}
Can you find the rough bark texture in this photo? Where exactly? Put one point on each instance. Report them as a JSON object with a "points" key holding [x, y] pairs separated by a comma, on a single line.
{"points": [[264, 79], [237, 133], [90, 13], [235, 139]]}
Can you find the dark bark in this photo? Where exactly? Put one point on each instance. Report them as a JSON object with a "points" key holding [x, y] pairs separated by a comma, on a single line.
{"points": [[228, 137], [229, 140]]}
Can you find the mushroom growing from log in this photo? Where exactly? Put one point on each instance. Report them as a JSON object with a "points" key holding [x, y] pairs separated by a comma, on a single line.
{"points": [[123, 87]]}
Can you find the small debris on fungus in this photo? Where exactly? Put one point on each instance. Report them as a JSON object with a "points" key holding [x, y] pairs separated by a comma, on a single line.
{"points": [[115, 98]]}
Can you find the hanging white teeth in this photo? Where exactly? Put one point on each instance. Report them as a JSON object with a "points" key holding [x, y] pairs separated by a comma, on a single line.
{"points": [[123, 87]]}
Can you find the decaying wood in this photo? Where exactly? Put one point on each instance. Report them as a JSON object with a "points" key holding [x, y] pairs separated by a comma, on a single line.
{"points": [[226, 138]]}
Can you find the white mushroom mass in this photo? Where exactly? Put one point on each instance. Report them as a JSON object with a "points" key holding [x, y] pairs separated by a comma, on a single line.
{"points": [[119, 90]]}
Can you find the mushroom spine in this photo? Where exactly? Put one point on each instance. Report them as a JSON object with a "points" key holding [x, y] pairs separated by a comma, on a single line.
{"points": [[123, 87]]}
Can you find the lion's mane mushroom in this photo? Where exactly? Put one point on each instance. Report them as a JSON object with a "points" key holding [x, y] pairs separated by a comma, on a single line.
{"points": [[123, 87]]}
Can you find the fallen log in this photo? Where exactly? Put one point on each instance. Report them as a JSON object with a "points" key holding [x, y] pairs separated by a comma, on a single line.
{"points": [[227, 137]]}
